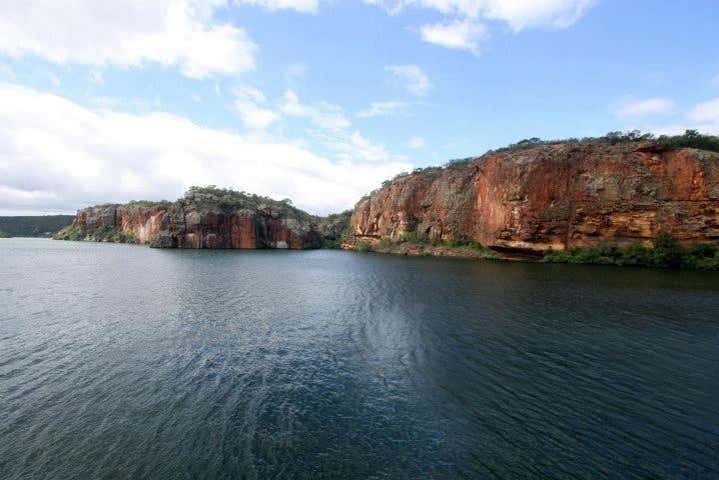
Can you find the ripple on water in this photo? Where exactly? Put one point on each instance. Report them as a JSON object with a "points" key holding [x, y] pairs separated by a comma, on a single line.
{"points": [[120, 361]]}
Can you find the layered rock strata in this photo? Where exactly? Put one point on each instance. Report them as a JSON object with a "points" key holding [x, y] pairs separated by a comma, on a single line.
{"points": [[554, 196]]}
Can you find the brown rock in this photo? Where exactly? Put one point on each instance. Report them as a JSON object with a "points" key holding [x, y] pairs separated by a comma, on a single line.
{"points": [[552, 196], [186, 226]]}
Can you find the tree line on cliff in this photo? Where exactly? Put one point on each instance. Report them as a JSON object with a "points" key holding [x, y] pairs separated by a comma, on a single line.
{"points": [[689, 139]]}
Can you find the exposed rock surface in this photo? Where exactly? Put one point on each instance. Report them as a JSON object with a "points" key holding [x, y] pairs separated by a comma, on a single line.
{"points": [[201, 220], [551, 196]]}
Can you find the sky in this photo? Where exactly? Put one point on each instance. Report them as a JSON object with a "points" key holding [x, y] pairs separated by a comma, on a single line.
{"points": [[320, 101]]}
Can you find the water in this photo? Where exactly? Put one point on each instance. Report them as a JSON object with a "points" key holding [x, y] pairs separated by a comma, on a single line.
{"points": [[121, 361]]}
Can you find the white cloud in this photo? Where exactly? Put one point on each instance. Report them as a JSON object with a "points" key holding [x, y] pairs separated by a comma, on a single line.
{"points": [[7, 71], [416, 143], [463, 27], [105, 102], [368, 150], [521, 14], [54, 79], [304, 6], [348, 145], [126, 33], [679, 129], [324, 115], [632, 107], [706, 111], [703, 117], [379, 109], [247, 103], [518, 14], [296, 71], [333, 132], [96, 77], [416, 81], [458, 35], [56, 155]]}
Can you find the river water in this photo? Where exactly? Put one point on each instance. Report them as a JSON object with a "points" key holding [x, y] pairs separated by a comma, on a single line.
{"points": [[121, 361]]}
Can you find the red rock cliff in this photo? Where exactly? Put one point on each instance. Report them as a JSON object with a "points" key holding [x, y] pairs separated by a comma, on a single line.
{"points": [[200, 220], [552, 196]]}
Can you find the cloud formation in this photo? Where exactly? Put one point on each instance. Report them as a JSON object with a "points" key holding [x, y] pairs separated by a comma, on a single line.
{"points": [[518, 14], [706, 111], [463, 27], [416, 81], [382, 109], [457, 35], [248, 102], [633, 107], [323, 115], [57, 156], [703, 117], [416, 143], [304, 6], [125, 33]]}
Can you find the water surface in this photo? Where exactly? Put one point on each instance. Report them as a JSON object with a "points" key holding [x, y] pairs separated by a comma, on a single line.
{"points": [[121, 361]]}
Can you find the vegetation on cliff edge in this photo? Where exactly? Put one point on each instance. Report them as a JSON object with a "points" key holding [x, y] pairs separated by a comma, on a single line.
{"points": [[102, 234], [335, 229], [211, 196], [414, 244], [689, 139], [666, 252]]}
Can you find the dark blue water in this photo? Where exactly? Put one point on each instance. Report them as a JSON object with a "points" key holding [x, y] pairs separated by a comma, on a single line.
{"points": [[121, 361]]}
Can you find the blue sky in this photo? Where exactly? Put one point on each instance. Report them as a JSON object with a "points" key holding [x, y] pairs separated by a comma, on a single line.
{"points": [[320, 101]]}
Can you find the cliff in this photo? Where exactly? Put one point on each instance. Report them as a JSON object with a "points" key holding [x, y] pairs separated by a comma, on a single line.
{"points": [[203, 218], [516, 202], [550, 196]]}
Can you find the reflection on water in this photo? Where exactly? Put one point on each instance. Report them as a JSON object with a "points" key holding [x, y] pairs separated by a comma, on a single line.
{"points": [[120, 361]]}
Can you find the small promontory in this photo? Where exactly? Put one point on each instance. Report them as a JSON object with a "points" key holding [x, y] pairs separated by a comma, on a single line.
{"points": [[207, 217]]}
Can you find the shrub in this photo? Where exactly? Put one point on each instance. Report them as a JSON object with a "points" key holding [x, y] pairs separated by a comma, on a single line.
{"points": [[414, 237], [70, 233], [385, 244], [102, 234], [364, 247], [666, 252], [691, 139]]}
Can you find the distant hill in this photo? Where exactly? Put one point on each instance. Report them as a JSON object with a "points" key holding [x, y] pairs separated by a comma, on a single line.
{"points": [[33, 226]]}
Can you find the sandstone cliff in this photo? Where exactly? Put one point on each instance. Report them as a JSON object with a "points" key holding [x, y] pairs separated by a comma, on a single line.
{"points": [[203, 218], [551, 196]]}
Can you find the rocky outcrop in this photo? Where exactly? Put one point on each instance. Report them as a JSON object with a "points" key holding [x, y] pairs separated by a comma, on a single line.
{"points": [[201, 220], [551, 196], [519, 201]]}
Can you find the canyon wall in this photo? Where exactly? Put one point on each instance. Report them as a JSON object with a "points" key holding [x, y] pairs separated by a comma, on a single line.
{"points": [[551, 196], [186, 225]]}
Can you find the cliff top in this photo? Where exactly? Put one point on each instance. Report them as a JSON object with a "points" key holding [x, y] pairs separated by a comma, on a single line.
{"points": [[613, 141], [616, 141]]}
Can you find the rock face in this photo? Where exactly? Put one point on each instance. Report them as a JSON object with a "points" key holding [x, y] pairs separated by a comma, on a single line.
{"points": [[200, 224], [551, 196]]}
